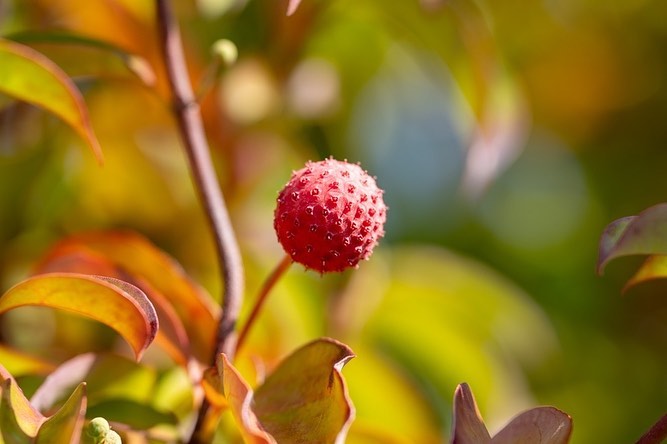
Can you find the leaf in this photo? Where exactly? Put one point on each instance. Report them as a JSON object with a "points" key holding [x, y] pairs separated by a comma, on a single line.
{"points": [[135, 64], [29, 76], [468, 425], [305, 399], [64, 427], [292, 6], [68, 374], [541, 425], [126, 310], [135, 414], [145, 263], [655, 267], [19, 364], [239, 396], [19, 421], [645, 233]]}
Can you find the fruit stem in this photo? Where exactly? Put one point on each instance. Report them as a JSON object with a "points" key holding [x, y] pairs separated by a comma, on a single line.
{"points": [[188, 116], [262, 296], [656, 434]]}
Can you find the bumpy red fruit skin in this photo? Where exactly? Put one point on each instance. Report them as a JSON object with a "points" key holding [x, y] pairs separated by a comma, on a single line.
{"points": [[330, 215]]}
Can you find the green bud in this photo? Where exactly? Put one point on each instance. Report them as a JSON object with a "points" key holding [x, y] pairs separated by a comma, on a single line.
{"points": [[226, 50], [97, 428], [112, 438]]}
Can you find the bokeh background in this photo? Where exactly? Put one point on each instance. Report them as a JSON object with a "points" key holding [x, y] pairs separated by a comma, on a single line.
{"points": [[506, 134]]}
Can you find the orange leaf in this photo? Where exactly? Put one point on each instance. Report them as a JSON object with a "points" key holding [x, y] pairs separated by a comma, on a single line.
{"points": [[29, 76], [117, 304]]}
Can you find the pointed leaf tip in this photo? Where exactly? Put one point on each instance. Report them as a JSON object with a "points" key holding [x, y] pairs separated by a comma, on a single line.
{"points": [[30, 76], [468, 425], [645, 233]]}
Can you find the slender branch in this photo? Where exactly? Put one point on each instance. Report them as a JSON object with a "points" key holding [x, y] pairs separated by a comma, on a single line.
{"points": [[187, 112], [270, 282], [656, 434]]}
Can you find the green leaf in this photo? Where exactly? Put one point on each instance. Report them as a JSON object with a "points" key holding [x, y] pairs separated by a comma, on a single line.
{"points": [[119, 305], [468, 425], [64, 427], [541, 425], [29, 76], [135, 414], [188, 311], [645, 233], [305, 399]]}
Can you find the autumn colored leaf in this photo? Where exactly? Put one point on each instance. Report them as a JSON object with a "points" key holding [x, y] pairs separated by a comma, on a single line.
{"points": [[305, 399], [468, 426], [19, 421], [123, 307], [541, 425], [135, 64], [645, 233], [64, 427], [29, 76], [655, 267], [188, 312]]}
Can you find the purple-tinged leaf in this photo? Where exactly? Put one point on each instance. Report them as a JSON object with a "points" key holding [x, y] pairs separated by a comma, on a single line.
{"points": [[19, 421], [468, 426], [69, 374], [541, 425], [645, 233]]}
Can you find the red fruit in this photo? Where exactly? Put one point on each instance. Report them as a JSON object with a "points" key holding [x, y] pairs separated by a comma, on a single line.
{"points": [[330, 215]]}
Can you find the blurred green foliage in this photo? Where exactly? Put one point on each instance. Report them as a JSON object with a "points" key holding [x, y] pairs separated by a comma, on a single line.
{"points": [[506, 135]]}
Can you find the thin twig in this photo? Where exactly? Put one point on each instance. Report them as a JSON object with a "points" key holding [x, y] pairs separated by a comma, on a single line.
{"points": [[262, 296], [188, 116], [191, 128], [657, 433]]}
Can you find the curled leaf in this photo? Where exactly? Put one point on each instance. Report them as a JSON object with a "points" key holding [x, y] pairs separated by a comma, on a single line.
{"points": [[19, 421], [468, 426], [541, 425], [64, 427], [29, 76], [127, 310], [188, 312], [645, 233]]}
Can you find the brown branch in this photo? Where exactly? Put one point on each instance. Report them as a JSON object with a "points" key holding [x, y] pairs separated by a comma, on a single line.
{"points": [[656, 434], [188, 115]]}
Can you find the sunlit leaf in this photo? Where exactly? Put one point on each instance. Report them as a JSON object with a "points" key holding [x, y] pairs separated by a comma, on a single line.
{"points": [[135, 64], [19, 364], [468, 425], [60, 382], [213, 388], [19, 421], [126, 310], [172, 335], [137, 415], [64, 427], [28, 75], [645, 233], [541, 425], [305, 399], [292, 6], [138, 257], [239, 396]]}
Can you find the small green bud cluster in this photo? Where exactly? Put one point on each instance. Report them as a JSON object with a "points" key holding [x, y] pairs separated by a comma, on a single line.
{"points": [[99, 431]]}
